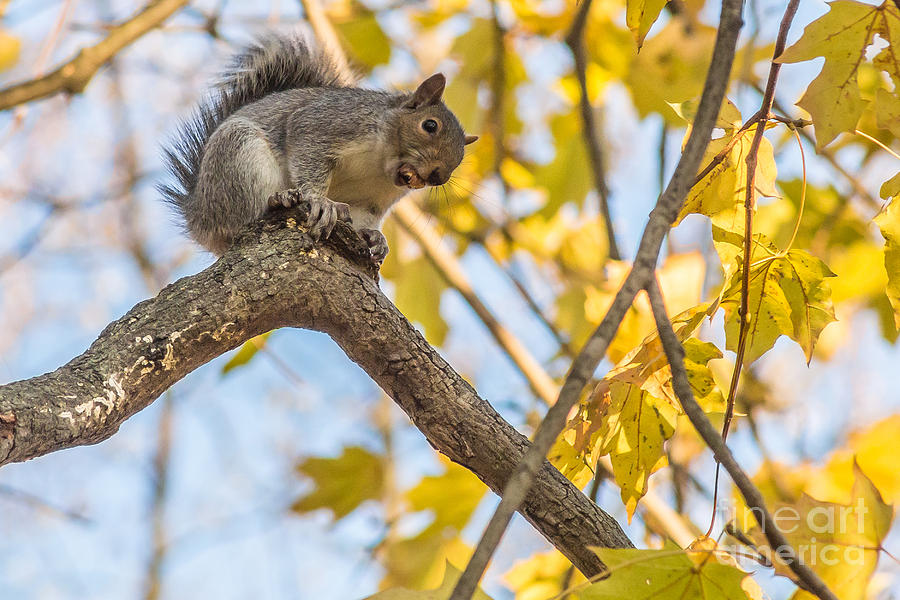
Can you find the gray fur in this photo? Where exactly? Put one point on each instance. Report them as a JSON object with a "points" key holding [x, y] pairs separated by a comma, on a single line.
{"points": [[284, 117]]}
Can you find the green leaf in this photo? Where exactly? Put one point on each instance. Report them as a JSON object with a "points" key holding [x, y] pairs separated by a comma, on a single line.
{"points": [[341, 484], [451, 576], [452, 497], [247, 351], [640, 15], [362, 36], [568, 178], [658, 574], [889, 223], [788, 295], [418, 286]]}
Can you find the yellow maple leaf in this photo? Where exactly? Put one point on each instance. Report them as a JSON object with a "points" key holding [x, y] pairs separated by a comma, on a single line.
{"points": [[788, 295], [842, 37], [640, 409], [640, 15]]}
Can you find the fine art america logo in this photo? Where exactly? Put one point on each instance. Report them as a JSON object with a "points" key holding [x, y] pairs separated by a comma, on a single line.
{"points": [[820, 534]]}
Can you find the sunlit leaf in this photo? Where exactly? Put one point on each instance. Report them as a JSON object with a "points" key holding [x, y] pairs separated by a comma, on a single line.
{"points": [[451, 498], [890, 188], [640, 409], [640, 15], [367, 43], [872, 449], [887, 111], [788, 295], [724, 187], [418, 286], [568, 178], [842, 37]]}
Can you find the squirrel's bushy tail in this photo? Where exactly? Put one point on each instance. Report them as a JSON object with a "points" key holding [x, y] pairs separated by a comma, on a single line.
{"points": [[273, 64]]}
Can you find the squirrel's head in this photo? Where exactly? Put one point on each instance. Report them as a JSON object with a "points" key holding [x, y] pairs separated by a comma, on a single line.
{"points": [[430, 140]]}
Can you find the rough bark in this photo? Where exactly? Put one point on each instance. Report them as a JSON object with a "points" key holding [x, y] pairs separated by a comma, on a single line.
{"points": [[275, 276]]}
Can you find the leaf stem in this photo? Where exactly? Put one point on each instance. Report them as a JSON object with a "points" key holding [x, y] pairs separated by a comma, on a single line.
{"points": [[877, 143], [802, 193]]}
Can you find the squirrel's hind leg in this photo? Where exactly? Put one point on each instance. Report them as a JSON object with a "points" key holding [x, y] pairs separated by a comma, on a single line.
{"points": [[237, 175]]}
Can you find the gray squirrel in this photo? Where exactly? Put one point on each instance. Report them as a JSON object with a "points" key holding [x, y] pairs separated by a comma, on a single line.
{"points": [[285, 117]]}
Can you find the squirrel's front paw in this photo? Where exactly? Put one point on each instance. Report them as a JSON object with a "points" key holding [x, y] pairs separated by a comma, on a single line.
{"points": [[324, 214], [378, 246]]}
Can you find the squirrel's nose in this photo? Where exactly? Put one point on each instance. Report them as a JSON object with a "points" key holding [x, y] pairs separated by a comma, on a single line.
{"points": [[436, 178]]}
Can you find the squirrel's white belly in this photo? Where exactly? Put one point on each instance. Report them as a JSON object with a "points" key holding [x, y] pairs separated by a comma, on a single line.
{"points": [[361, 179]]}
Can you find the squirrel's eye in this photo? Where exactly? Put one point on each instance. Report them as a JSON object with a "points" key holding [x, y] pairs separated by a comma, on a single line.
{"points": [[430, 125]]}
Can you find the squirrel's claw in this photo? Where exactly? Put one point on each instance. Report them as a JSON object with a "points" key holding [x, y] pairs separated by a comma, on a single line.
{"points": [[324, 214], [378, 246], [285, 198]]}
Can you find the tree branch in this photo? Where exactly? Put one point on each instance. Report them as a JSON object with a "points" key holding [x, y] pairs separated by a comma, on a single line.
{"points": [[276, 277], [754, 499], [584, 365], [73, 76], [575, 42]]}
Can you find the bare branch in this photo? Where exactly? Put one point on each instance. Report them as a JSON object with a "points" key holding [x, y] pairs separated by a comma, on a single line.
{"points": [[752, 496], [584, 365], [73, 76], [276, 277], [575, 41]]}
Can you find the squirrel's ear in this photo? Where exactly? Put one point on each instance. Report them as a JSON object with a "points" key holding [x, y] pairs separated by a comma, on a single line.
{"points": [[429, 92], [470, 139]]}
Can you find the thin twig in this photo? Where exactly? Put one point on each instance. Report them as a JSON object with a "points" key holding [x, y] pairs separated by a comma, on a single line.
{"points": [[575, 41], [752, 496], [73, 76], [584, 365], [750, 206], [41, 504]]}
